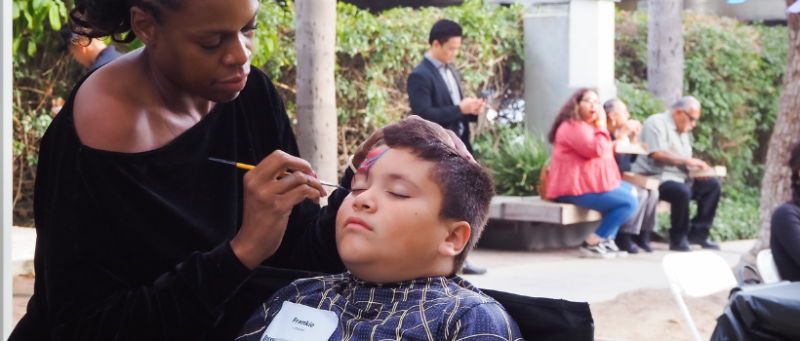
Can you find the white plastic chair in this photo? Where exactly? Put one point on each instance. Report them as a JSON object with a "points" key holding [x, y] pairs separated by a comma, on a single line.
{"points": [[696, 274], [766, 267]]}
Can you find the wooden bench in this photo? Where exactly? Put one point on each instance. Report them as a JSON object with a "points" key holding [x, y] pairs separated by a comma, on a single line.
{"points": [[530, 223]]}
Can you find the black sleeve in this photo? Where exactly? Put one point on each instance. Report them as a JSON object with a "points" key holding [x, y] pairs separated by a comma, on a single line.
{"points": [[310, 239], [78, 294], [421, 101], [785, 229]]}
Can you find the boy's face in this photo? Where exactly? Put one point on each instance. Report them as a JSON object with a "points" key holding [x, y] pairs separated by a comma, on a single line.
{"points": [[388, 229]]}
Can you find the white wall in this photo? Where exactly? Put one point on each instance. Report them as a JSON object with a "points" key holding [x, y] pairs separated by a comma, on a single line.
{"points": [[591, 46], [5, 168], [546, 69], [566, 48]]}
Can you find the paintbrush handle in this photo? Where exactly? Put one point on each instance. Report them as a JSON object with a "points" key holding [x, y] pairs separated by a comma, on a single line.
{"points": [[285, 174]]}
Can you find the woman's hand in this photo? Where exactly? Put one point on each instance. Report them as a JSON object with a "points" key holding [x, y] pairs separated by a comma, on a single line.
{"points": [[600, 118], [268, 202], [634, 128]]}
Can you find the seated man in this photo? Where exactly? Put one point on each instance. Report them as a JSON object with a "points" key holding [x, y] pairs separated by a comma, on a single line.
{"points": [[416, 208], [670, 159]]}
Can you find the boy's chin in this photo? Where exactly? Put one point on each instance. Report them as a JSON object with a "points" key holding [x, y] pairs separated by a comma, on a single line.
{"points": [[355, 251]]}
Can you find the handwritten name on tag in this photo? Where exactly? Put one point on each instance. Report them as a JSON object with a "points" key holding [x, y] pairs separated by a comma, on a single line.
{"points": [[296, 322]]}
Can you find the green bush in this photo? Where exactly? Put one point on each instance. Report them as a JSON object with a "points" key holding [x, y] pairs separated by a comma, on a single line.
{"points": [[374, 55], [734, 69], [514, 156], [640, 103]]}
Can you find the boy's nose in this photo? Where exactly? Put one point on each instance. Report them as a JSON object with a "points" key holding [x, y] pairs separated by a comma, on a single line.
{"points": [[364, 202]]}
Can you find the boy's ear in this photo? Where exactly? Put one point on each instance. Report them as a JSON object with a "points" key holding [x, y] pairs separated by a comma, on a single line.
{"points": [[458, 233]]}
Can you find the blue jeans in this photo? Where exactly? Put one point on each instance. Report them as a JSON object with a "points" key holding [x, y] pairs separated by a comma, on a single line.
{"points": [[617, 206]]}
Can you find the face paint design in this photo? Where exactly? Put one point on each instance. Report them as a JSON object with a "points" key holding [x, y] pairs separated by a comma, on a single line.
{"points": [[371, 159]]}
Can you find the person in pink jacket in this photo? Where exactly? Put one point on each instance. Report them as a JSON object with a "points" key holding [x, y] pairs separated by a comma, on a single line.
{"points": [[583, 171]]}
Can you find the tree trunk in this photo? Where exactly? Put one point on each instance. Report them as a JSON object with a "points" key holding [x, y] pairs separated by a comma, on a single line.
{"points": [[665, 50], [315, 41], [776, 187]]}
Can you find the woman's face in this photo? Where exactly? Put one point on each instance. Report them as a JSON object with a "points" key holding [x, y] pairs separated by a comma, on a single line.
{"points": [[205, 47], [589, 106]]}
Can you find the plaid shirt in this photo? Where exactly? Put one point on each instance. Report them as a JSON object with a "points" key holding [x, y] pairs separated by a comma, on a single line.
{"points": [[435, 308]]}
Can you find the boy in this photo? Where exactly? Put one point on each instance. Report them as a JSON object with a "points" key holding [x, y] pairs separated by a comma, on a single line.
{"points": [[417, 206]]}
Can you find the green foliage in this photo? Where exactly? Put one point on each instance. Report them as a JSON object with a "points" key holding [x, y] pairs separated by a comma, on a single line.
{"points": [[735, 70], [28, 27], [640, 103], [375, 54], [514, 156]]}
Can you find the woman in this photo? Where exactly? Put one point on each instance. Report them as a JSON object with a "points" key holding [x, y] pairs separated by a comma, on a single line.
{"points": [[785, 227], [583, 171], [635, 231], [140, 236]]}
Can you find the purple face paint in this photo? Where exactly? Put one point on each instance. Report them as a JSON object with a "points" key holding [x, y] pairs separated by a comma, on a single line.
{"points": [[371, 159]]}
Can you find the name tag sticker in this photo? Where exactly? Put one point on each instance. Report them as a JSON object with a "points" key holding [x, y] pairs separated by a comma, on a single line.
{"points": [[296, 322]]}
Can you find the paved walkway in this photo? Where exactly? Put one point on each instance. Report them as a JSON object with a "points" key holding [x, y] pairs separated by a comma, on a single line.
{"points": [[563, 274]]}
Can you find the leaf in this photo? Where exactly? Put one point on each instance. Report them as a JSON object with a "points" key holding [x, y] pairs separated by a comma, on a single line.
{"points": [[14, 10], [37, 4], [55, 19], [15, 45], [31, 48], [62, 9], [28, 18]]}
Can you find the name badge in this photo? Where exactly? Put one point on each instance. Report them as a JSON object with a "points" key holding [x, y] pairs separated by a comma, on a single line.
{"points": [[297, 322]]}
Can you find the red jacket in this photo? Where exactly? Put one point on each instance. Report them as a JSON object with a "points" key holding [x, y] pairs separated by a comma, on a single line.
{"points": [[582, 162]]}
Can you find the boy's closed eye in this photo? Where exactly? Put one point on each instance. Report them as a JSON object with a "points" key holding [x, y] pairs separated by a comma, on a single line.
{"points": [[355, 191]]}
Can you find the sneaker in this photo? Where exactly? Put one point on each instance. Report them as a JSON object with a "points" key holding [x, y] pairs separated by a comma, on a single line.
{"points": [[596, 251], [612, 247]]}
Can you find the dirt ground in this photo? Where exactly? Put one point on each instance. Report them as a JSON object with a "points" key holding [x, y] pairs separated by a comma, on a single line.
{"points": [[653, 315], [641, 315]]}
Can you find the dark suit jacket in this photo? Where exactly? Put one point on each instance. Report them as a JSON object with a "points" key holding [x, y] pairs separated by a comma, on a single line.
{"points": [[430, 99]]}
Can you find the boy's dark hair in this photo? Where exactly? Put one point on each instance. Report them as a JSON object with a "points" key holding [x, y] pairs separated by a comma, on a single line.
{"points": [[467, 189], [443, 30]]}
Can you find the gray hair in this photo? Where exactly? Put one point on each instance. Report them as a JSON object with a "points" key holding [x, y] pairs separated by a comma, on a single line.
{"points": [[613, 105], [686, 104]]}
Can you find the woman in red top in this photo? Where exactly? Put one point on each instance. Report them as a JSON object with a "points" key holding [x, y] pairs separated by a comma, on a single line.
{"points": [[583, 171]]}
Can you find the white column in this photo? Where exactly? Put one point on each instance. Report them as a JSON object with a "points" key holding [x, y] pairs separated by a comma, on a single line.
{"points": [[591, 46], [546, 70], [6, 158]]}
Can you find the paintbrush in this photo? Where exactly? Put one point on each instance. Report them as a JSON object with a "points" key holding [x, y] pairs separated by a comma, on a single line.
{"points": [[285, 174]]}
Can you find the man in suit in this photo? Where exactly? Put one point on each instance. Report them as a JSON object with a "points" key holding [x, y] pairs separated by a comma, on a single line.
{"points": [[436, 94], [435, 91]]}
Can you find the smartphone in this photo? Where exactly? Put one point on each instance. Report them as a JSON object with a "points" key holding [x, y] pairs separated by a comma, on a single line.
{"points": [[486, 93]]}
